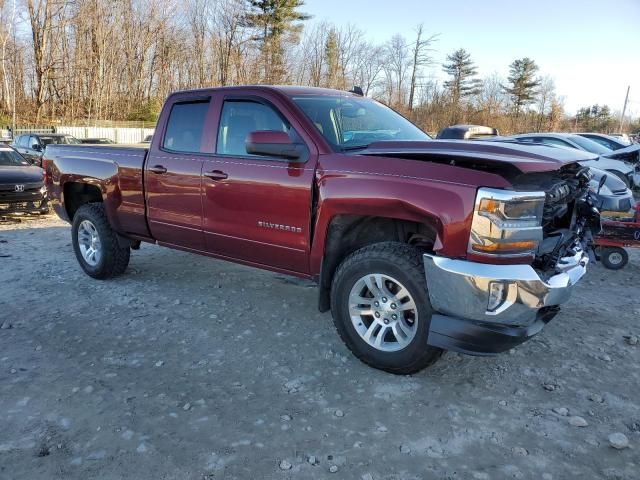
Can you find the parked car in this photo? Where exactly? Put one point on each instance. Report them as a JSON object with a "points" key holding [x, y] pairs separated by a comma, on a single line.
{"points": [[32, 145], [417, 245], [609, 141], [22, 188], [466, 132], [611, 197], [624, 170], [97, 141]]}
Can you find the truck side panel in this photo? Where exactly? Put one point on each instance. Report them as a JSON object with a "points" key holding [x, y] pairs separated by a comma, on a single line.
{"points": [[115, 171]]}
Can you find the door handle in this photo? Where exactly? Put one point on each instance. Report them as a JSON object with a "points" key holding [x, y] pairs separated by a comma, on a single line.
{"points": [[216, 175], [158, 169]]}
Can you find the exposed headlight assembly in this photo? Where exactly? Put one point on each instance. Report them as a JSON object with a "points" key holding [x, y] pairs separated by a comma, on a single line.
{"points": [[506, 223]]}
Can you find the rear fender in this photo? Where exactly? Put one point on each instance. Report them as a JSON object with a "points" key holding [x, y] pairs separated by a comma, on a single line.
{"points": [[101, 174]]}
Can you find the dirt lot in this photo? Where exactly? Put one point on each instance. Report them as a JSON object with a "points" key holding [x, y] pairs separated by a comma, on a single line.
{"points": [[192, 368]]}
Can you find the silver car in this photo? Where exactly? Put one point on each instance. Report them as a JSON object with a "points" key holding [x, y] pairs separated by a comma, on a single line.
{"points": [[625, 171]]}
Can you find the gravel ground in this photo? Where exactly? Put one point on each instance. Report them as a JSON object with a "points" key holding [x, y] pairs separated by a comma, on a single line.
{"points": [[192, 368]]}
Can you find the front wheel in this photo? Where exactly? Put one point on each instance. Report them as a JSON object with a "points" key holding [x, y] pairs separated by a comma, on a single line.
{"points": [[381, 308], [96, 245], [614, 258]]}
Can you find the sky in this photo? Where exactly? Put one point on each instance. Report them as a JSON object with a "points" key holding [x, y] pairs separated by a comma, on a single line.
{"points": [[591, 48]]}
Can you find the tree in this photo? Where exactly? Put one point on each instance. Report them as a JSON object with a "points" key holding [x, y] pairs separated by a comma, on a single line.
{"points": [[545, 99], [274, 19], [396, 66], [462, 71], [523, 83], [331, 58], [41, 18], [491, 101], [227, 36], [421, 58], [556, 112], [596, 118]]}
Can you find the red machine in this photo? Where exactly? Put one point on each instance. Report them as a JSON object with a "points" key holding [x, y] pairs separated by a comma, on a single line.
{"points": [[618, 233]]}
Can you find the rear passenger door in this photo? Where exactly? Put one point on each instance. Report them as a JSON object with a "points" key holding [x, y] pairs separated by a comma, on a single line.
{"points": [[172, 174], [257, 209]]}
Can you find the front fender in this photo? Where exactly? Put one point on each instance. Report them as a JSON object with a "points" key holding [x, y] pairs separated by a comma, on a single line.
{"points": [[437, 200]]}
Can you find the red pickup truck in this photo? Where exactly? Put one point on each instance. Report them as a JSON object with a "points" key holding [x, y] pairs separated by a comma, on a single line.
{"points": [[417, 245]]}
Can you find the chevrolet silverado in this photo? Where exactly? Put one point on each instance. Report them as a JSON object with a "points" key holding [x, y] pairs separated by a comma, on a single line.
{"points": [[417, 245]]}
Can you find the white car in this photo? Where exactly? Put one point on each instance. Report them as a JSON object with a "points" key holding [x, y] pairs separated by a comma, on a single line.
{"points": [[626, 171]]}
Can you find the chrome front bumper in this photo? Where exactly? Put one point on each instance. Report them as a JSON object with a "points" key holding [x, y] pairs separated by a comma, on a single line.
{"points": [[458, 288]]}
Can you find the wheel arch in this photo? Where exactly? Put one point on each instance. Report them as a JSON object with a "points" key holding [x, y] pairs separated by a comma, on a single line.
{"points": [[76, 194], [347, 233]]}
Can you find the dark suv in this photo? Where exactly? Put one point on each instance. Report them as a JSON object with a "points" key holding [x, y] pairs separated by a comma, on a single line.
{"points": [[32, 145]]}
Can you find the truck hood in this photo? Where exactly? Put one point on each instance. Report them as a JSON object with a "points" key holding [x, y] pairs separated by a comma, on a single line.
{"points": [[526, 158]]}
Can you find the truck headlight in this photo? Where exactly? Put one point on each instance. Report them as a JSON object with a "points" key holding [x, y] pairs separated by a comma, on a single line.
{"points": [[506, 223]]}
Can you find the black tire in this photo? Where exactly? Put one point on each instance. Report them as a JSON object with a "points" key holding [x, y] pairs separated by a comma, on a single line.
{"points": [[114, 258], [614, 258], [621, 176], [404, 263]]}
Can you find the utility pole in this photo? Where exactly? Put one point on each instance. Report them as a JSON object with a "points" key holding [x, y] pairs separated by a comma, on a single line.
{"points": [[15, 53], [624, 110]]}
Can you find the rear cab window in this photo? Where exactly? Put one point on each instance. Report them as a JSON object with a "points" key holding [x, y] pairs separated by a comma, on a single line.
{"points": [[185, 126]]}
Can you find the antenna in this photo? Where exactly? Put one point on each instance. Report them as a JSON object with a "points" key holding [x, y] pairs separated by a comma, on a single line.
{"points": [[357, 90]]}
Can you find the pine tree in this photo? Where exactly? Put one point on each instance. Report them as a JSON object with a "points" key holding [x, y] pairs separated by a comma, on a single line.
{"points": [[273, 19], [331, 59], [462, 71], [523, 83]]}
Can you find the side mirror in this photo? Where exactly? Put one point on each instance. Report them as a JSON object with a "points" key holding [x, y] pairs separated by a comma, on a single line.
{"points": [[36, 147], [274, 143], [603, 180]]}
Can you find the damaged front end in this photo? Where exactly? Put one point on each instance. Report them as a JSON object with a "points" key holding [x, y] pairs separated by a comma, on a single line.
{"points": [[534, 244], [570, 218]]}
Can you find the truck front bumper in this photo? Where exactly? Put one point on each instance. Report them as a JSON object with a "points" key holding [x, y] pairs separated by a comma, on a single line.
{"points": [[466, 321]]}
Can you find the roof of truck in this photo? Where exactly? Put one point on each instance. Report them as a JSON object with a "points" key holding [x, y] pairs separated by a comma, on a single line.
{"points": [[289, 90]]}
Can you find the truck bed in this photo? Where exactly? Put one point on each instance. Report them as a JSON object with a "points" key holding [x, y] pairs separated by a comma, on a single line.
{"points": [[119, 168]]}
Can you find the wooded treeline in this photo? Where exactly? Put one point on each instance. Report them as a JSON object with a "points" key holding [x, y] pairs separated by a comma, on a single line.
{"points": [[118, 60]]}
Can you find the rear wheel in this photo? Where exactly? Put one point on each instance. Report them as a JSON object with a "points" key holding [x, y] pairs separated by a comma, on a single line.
{"points": [[381, 308], [96, 245], [614, 258]]}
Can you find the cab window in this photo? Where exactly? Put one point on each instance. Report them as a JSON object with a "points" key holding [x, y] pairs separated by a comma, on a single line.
{"points": [[185, 127], [241, 117]]}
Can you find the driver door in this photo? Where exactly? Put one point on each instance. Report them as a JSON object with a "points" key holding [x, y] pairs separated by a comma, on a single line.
{"points": [[257, 209]]}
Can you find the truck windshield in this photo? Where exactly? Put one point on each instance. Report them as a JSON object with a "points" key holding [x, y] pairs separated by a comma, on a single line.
{"points": [[9, 158], [351, 123]]}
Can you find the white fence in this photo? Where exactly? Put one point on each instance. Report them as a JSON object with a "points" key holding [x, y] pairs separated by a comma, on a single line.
{"points": [[118, 135]]}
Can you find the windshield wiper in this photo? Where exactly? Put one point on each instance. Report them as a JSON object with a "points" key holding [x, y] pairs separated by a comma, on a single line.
{"points": [[354, 147]]}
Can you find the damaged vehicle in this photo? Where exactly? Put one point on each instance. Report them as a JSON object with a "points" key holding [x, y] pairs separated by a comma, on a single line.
{"points": [[417, 245]]}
